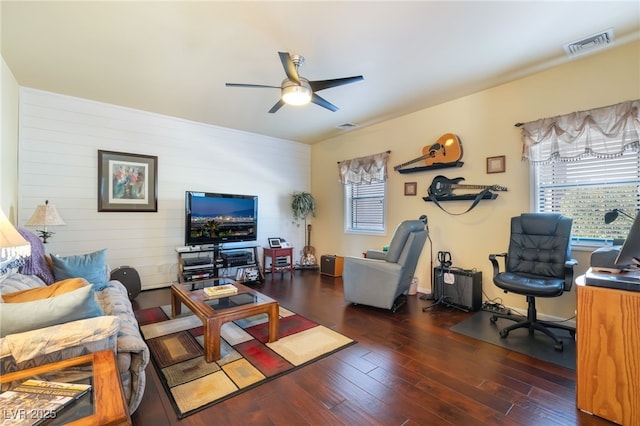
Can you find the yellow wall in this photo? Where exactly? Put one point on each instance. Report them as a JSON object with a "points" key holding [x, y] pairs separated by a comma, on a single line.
{"points": [[484, 121]]}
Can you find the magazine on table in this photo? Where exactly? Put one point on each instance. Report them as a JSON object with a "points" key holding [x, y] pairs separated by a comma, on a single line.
{"points": [[35, 402]]}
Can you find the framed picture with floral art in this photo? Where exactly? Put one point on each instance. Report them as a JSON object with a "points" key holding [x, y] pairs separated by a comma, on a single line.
{"points": [[127, 182]]}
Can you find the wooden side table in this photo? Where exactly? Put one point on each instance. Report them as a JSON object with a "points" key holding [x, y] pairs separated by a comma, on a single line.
{"points": [[107, 396], [275, 253]]}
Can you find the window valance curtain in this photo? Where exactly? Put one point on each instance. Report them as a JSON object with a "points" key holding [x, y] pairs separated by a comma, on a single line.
{"points": [[372, 168], [600, 132]]}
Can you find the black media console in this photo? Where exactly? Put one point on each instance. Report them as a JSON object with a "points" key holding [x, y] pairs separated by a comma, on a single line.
{"points": [[237, 262]]}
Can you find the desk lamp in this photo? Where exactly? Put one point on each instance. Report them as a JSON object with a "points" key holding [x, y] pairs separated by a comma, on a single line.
{"points": [[13, 247], [45, 215], [612, 215], [603, 259]]}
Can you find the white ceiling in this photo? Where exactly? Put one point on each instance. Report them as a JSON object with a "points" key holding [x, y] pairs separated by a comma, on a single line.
{"points": [[174, 58]]}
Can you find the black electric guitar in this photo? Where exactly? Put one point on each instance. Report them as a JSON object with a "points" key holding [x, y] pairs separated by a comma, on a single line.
{"points": [[447, 149], [442, 186]]}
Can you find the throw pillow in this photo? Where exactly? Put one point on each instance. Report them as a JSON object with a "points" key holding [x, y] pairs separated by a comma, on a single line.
{"points": [[74, 305], [61, 287], [90, 266], [17, 282], [36, 264]]}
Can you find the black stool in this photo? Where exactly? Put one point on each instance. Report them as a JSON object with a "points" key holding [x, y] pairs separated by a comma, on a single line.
{"points": [[130, 278]]}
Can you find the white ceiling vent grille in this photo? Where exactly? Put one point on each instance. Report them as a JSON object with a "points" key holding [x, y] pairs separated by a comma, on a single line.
{"points": [[589, 44], [347, 126]]}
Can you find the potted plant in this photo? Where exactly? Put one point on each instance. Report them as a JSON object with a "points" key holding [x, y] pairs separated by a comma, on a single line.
{"points": [[302, 205]]}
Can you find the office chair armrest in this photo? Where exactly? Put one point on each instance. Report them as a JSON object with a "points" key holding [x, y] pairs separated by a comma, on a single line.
{"points": [[494, 262], [570, 263], [568, 273]]}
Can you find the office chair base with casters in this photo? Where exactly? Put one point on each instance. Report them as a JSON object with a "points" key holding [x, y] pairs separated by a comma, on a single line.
{"points": [[533, 324]]}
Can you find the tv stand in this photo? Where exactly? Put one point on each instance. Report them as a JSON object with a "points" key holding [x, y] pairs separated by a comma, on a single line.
{"points": [[237, 262]]}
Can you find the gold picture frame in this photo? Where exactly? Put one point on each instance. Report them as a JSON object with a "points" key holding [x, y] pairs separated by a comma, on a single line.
{"points": [[411, 188], [496, 164]]}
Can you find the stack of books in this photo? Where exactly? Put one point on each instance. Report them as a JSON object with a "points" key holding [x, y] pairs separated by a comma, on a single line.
{"points": [[220, 290]]}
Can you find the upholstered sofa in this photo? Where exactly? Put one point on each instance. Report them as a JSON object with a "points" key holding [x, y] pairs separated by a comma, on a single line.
{"points": [[117, 329], [107, 323]]}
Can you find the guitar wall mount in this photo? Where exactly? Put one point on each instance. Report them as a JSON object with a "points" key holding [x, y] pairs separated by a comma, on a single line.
{"points": [[446, 152], [441, 190]]}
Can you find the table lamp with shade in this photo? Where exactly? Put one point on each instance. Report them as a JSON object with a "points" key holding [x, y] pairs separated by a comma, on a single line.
{"points": [[45, 215], [13, 247]]}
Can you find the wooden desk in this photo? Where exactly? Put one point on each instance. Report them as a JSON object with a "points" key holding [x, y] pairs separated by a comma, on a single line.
{"points": [[274, 253], [608, 351]]}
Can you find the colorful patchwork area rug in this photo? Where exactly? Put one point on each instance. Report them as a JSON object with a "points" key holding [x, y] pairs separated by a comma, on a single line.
{"points": [[247, 359]]}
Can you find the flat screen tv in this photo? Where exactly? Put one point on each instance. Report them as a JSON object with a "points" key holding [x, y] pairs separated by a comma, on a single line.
{"points": [[213, 218], [629, 257]]}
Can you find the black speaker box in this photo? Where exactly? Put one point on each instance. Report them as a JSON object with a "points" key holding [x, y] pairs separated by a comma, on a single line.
{"points": [[331, 265], [458, 287]]}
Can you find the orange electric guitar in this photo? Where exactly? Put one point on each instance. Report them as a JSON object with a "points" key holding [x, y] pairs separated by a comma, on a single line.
{"points": [[447, 149]]}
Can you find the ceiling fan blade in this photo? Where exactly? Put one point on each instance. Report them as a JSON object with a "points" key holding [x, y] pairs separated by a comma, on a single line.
{"points": [[249, 85], [289, 68], [326, 84], [323, 103], [277, 106]]}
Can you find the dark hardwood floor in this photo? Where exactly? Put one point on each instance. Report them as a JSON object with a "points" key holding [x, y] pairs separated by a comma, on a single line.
{"points": [[407, 368]]}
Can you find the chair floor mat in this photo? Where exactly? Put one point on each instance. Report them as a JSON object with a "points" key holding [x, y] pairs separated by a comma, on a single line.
{"points": [[537, 346]]}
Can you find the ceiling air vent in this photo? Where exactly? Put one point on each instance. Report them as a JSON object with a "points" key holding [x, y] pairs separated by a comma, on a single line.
{"points": [[347, 126], [589, 44]]}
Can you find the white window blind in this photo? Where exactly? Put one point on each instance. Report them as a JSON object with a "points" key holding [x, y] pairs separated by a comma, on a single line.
{"points": [[586, 189], [365, 207]]}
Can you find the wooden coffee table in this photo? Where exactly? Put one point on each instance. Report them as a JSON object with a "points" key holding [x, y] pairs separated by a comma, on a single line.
{"points": [[104, 404], [215, 311]]}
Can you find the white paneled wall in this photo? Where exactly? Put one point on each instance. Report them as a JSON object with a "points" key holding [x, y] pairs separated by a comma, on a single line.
{"points": [[58, 161]]}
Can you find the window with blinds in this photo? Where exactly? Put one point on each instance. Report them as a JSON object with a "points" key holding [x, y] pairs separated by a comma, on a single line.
{"points": [[586, 189], [365, 207]]}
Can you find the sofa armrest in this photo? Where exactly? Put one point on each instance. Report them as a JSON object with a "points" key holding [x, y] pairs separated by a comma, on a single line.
{"points": [[376, 254], [99, 333]]}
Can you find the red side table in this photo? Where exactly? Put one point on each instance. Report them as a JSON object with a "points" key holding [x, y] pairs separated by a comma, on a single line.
{"points": [[275, 253]]}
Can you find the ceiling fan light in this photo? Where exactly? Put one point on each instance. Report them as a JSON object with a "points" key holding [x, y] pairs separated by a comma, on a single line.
{"points": [[296, 95]]}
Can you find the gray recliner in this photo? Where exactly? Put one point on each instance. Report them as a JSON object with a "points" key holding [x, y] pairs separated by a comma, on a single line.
{"points": [[382, 279]]}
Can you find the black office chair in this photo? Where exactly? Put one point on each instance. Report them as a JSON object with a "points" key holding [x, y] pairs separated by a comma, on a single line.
{"points": [[538, 264]]}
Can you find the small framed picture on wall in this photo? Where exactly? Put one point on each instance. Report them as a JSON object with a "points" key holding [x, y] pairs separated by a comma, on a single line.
{"points": [[496, 164], [410, 188]]}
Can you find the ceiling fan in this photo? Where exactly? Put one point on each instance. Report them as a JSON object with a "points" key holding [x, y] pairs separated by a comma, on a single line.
{"points": [[297, 90]]}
